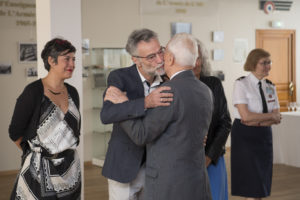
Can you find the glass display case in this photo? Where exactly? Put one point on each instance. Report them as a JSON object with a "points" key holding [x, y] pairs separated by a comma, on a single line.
{"points": [[98, 63]]}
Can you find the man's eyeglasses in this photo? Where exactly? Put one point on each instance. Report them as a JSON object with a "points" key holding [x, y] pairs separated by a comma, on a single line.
{"points": [[152, 57], [265, 63]]}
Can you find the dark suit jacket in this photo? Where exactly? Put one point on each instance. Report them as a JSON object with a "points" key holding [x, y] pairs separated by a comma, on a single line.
{"points": [[123, 157], [175, 165]]}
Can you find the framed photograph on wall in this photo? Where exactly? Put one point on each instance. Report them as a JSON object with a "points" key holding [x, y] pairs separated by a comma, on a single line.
{"points": [[5, 68], [27, 52], [179, 27], [31, 72]]}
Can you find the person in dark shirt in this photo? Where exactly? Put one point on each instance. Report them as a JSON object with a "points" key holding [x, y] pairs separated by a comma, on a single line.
{"points": [[219, 128]]}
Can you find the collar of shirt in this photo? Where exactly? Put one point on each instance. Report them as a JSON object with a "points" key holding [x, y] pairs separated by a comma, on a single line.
{"points": [[157, 81], [255, 80], [176, 74]]}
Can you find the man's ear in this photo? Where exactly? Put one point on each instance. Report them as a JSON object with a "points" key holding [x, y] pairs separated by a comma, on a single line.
{"points": [[198, 63], [171, 59], [135, 60]]}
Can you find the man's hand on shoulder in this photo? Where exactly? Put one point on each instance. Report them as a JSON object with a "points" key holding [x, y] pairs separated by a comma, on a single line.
{"points": [[159, 98], [115, 95]]}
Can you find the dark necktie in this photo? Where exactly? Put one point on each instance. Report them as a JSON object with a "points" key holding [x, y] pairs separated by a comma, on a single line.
{"points": [[263, 99], [148, 84]]}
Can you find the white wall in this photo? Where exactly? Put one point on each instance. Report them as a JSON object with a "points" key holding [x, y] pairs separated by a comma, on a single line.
{"points": [[11, 85]]}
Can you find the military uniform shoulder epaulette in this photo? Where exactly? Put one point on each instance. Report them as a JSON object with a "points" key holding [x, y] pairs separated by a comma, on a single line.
{"points": [[242, 77], [270, 82]]}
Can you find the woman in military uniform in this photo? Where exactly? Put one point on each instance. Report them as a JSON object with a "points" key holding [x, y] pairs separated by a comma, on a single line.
{"points": [[256, 108]]}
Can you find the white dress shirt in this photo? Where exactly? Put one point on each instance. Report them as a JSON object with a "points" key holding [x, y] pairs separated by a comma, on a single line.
{"points": [[148, 89], [246, 91]]}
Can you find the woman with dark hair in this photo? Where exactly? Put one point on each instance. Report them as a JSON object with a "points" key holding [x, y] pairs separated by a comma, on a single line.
{"points": [[256, 108], [219, 128], [46, 126]]}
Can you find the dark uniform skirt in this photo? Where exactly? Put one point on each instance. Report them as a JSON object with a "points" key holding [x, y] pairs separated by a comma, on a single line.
{"points": [[251, 160]]}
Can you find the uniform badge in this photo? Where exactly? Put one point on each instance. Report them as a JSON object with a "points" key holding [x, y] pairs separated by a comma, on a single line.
{"points": [[270, 90]]}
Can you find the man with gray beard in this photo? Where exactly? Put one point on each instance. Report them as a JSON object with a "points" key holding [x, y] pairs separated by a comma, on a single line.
{"points": [[124, 164]]}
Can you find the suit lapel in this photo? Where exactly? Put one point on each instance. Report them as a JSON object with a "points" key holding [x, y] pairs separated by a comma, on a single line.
{"points": [[137, 80]]}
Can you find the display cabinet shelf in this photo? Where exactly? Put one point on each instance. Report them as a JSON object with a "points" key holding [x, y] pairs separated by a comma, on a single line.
{"points": [[98, 63]]}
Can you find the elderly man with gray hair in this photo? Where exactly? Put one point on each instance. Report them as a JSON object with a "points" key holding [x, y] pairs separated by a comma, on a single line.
{"points": [[175, 164]]}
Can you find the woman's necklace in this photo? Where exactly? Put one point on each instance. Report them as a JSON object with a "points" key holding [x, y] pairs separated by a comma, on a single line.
{"points": [[55, 93]]}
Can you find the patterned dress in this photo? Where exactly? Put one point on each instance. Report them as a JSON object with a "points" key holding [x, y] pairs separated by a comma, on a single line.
{"points": [[51, 168]]}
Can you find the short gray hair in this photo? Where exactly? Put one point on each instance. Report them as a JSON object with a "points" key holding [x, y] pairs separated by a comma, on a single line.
{"points": [[205, 64], [137, 36], [184, 48]]}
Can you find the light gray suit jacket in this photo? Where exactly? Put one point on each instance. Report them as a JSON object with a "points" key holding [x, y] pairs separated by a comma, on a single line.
{"points": [[175, 163]]}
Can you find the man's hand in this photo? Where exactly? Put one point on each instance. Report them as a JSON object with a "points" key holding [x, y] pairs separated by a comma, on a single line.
{"points": [[158, 98], [115, 95]]}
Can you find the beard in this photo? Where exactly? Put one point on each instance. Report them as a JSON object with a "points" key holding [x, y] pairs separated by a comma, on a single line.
{"points": [[160, 70], [154, 71]]}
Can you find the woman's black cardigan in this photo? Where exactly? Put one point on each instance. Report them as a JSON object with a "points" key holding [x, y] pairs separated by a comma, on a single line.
{"points": [[220, 125], [25, 119]]}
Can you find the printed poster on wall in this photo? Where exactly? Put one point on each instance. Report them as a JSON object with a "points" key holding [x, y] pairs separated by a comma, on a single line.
{"points": [[188, 7], [240, 50]]}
